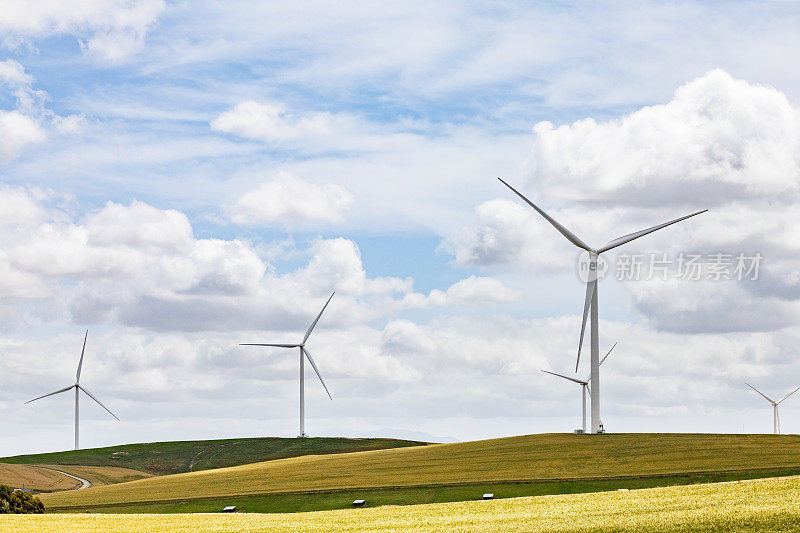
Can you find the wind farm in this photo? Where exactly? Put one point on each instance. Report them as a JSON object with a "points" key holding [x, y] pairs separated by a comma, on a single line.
{"points": [[412, 199]]}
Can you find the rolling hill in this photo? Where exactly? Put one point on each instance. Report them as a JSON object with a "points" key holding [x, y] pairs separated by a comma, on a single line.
{"points": [[506, 462], [160, 458]]}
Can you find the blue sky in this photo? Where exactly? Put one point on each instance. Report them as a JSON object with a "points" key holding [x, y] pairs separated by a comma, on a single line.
{"points": [[179, 177]]}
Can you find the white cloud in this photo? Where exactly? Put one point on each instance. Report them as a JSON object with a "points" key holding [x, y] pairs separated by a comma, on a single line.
{"points": [[270, 122], [141, 266], [110, 30], [28, 123], [717, 140], [13, 73], [16, 132], [474, 290], [289, 201], [139, 225]]}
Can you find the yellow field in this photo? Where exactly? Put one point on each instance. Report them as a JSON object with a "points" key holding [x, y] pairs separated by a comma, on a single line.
{"points": [[33, 478], [527, 458], [762, 505]]}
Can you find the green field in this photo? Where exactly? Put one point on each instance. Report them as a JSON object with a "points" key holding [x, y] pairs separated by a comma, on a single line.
{"points": [[569, 463], [764, 505], [188, 456]]}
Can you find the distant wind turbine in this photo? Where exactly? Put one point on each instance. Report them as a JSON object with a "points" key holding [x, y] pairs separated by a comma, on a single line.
{"points": [[591, 293], [776, 419], [78, 387], [303, 353], [584, 384]]}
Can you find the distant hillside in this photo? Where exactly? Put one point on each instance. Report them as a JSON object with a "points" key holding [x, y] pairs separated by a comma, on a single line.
{"points": [[189, 456], [532, 459]]}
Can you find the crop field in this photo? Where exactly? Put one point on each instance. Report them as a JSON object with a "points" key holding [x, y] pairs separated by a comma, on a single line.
{"points": [[762, 505], [515, 460], [102, 475], [37, 479], [42, 480], [188, 456]]}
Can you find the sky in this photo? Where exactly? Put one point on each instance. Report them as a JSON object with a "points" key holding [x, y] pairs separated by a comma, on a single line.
{"points": [[181, 177]]}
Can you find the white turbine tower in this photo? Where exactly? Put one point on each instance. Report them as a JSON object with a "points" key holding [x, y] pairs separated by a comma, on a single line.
{"points": [[776, 420], [591, 294], [303, 353], [584, 384], [78, 387]]}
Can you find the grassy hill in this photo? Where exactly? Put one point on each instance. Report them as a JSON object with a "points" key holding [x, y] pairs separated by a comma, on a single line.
{"points": [[189, 456], [765, 505], [533, 459]]}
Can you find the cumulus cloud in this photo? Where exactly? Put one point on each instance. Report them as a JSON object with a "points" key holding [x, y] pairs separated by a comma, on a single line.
{"points": [[110, 30], [719, 139], [140, 266], [290, 201]]}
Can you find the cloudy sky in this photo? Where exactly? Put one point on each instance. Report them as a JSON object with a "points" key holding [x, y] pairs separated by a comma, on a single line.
{"points": [[180, 177]]}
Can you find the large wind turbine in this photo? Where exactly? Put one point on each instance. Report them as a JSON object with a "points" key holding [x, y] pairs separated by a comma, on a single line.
{"points": [[776, 420], [584, 384], [303, 353], [591, 293], [78, 387]]}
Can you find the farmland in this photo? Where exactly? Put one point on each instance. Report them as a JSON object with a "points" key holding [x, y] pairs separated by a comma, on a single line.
{"points": [[571, 463], [763, 505], [34, 478]]}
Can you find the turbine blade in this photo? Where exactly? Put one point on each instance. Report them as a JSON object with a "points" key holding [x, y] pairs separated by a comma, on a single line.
{"points": [[631, 236], [586, 304], [571, 237], [276, 345], [80, 363], [761, 393], [98, 401], [314, 365], [795, 390], [609, 353], [65, 389], [565, 377], [311, 327]]}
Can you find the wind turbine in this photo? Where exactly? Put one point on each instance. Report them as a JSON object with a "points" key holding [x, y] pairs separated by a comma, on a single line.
{"points": [[303, 353], [776, 420], [584, 384], [591, 293], [78, 387]]}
